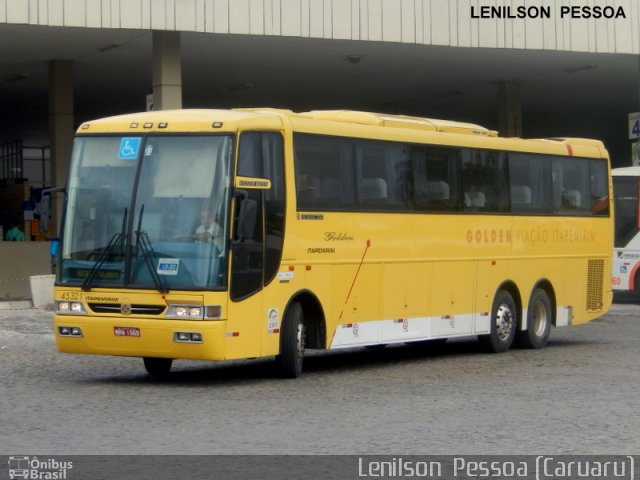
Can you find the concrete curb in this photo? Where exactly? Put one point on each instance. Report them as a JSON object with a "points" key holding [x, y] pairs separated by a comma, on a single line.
{"points": [[16, 305]]}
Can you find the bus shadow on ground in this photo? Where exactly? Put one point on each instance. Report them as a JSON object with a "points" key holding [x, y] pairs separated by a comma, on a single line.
{"points": [[324, 362], [347, 360]]}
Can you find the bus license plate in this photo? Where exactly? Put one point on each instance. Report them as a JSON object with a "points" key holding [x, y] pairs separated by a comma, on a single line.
{"points": [[126, 331]]}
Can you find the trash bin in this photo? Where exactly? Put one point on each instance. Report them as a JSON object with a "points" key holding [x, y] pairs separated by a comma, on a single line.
{"points": [[42, 290]]}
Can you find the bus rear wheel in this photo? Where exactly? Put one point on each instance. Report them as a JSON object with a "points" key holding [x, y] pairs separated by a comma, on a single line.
{"points": [[539, 317], [289, 361], [504, 320], [157, 367]]}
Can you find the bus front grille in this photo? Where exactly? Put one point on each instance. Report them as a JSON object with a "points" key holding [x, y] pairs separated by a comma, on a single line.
{"points": [[134, 309], [595, 284]]}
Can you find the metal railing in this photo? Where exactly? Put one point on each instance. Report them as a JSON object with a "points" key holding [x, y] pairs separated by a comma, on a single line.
{"points": [[11, 160]]}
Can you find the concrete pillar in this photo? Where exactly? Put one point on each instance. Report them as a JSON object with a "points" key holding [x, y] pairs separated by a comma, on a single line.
{"points": [[509, 109], [61, 126], [167, 71]]}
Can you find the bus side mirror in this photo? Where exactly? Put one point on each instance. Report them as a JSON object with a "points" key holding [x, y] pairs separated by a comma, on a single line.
{"points": [[246, 207], [44, 208]]}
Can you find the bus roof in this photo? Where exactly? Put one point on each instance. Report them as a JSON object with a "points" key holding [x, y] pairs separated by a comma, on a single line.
{"points": [[212, 120], [187, 120], [399, 121]]}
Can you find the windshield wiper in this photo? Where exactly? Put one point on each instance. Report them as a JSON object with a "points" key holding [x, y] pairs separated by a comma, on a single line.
{"points": [[115, 245], [143, 242]]}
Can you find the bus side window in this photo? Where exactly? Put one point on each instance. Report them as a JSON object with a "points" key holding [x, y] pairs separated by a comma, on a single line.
{"points": [[379, 167], [599, 188], [434, 180], [372, 189], [324, 173], [329, 190], [484, 180], [530, 183], [573, 180]]}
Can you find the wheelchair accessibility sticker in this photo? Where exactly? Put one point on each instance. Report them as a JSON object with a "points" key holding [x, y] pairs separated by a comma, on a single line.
{"points": [[129, 147]]}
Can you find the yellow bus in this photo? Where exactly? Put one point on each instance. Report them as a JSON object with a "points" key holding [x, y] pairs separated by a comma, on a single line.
{"points": [[232, 234]]}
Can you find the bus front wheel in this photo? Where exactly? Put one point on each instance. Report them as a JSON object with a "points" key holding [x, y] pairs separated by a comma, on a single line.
{"points": [[157, 367], [289, 361], [539, 317], [504, 321]]}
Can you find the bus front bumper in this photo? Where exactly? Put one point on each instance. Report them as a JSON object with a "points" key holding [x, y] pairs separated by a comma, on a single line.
{"points": [[138, 337]]}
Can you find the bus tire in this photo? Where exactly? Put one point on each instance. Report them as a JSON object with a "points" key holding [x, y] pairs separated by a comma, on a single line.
{"points": [[636, 283], [157, 367], [539, 318], [504, 321], [289, 361]]}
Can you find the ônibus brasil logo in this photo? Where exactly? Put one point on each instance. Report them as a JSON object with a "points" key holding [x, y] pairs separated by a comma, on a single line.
{"points": [[36, 469]]}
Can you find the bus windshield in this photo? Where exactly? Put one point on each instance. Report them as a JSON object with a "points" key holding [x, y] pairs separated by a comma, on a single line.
{"points": [[147, 212], [625, 190]]}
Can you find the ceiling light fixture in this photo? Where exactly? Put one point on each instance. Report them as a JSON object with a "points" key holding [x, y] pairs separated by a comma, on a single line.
{"points": [[111, 46], [16, 77], [582, 68]]}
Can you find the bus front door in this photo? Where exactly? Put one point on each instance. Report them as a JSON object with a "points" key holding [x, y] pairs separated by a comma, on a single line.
{"points": [[245, 313]]}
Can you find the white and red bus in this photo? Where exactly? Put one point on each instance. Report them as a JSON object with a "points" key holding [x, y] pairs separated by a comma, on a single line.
{"points": [[626, 253]]}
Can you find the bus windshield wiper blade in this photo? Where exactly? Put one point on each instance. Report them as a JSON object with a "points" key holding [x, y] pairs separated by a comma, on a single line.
{"points": [[143, 242], [108, 253]]}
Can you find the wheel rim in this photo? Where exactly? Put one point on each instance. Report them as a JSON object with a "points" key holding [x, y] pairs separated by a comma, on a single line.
{"points": [[504, 322], [540, 317]]}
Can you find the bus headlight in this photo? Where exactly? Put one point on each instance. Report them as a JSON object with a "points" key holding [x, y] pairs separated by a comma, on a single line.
{"points": [[70, 308], [194, 312]]}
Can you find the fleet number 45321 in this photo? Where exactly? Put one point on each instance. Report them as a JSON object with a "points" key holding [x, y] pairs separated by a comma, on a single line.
{"points": [[70, 295]]}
